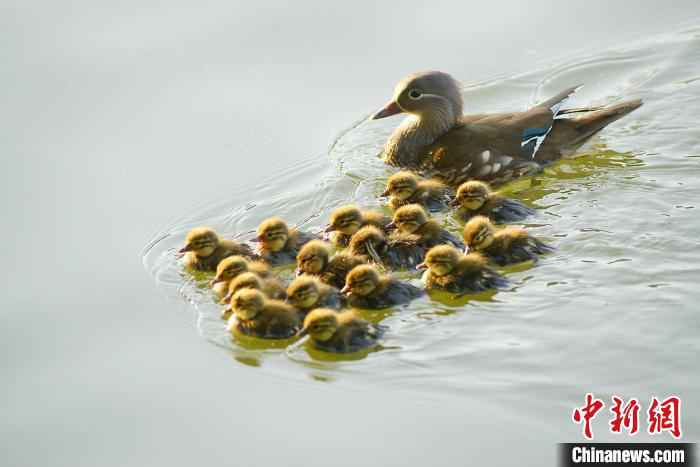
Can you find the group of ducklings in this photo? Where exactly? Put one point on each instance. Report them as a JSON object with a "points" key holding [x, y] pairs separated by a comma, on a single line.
{"points": [[346, 265]]}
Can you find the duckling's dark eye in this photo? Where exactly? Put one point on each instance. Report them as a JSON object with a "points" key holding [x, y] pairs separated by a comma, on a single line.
{"points": [[414, 94]]}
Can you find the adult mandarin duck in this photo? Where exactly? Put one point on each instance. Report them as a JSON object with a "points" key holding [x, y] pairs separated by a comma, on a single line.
{"points": [[439, 141]]}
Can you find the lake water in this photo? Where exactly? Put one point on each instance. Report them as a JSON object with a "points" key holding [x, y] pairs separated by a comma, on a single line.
{"points": [[128, 125]]}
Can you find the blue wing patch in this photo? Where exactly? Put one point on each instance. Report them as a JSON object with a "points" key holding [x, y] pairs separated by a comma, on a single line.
{"points": [[532, 139]]}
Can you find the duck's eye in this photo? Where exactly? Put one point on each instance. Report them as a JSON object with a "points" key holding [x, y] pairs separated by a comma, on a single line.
{"points": [[414, 94]]}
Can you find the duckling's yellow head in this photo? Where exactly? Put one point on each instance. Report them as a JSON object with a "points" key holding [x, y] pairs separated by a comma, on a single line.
{"points": [[442, 259], [478, 233], [409, 218], [247, 303], [472, 195], [313, 257], [345, 219], [366, 236], [402, 185], [304, 291], [230, 267], [202, 241], [246, 280], [273, 233], [321, 324], [362, 280]]}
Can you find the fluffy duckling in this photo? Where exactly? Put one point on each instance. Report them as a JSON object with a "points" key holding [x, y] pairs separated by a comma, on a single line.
{"points": [[365, 287], [308, 292], [270, 286], [204, 249], [257, 316], [277, 243], [449, 269], [339, 332], [506, 246], [475, 198], [346, 220], [315, 259], [230, 267], [412, 219], [400, 251], [407, 188]]}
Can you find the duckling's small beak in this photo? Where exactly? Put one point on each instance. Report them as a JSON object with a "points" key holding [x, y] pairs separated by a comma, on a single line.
{"points": [[454, 203], [345, 290], [391, 225], [185, 249], [303, 332], [255, 240], [329, 229], [216, 280], [385, 193], [421, 266], [466, 250], [392, 108]]}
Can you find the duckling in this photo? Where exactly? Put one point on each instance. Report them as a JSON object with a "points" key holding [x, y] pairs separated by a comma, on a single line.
{"points": [[507, 246], [339, 332], [308, 292], [315, 259], [204, 249], [230, 267], [277, 243], [257, 316], [407, 188], [475, 198], [412, 219], [346, 220], [365, 287], [448, 269], [400, 251], [270, 286]]}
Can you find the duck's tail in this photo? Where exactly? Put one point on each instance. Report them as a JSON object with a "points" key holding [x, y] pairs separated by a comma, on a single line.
{"points": [[568, 134]]}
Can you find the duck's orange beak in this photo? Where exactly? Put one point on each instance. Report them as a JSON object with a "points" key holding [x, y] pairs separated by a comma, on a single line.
{"points": [[392, 108], [421, 266]]}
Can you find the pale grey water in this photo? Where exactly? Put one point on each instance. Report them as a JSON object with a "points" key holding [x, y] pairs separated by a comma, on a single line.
{"points": [[120, 121]]}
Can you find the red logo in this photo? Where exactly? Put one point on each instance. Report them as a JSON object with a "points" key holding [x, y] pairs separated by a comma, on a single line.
{"points": [[662, 415]]}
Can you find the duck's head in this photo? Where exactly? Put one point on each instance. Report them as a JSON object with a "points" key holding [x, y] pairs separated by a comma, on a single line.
{"points": [[247, 304], [409, 218], [402, 185], [478, 233], [246, 280], [367, 241], [425, 94], [273, 234], [304, 292], [345, 219], [362, 280], [202, 241], [441, 259], [472, 195], [321, 324], [229, 267], [313, 257]]}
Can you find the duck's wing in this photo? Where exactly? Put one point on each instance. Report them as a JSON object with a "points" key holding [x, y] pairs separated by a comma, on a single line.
{"points": [[494, 147], [510, 210]]}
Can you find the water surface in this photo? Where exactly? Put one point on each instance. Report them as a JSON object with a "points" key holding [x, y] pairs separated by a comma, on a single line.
{"points": [[614, 302]]}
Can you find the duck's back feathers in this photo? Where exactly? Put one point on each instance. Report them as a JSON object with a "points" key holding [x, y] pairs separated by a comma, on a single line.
{"points": [[515, 245], [472, 274], [353, 334], [338, 268], [500, 210], [390, 293], [500, 147]]}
